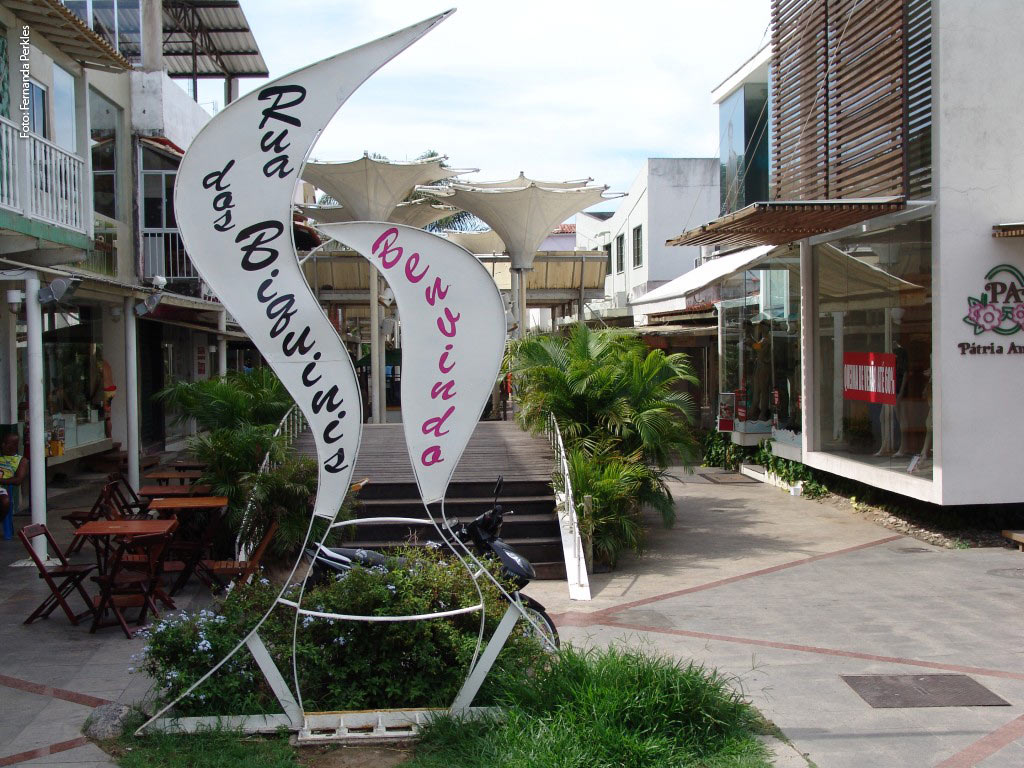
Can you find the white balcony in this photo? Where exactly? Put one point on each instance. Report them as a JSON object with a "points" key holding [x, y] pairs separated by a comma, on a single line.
{"points": [[41, 181], [164, 255]]}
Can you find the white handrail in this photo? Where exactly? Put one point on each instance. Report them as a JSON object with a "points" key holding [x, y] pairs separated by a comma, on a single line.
{"points": [[41, 179], [568, 520]]}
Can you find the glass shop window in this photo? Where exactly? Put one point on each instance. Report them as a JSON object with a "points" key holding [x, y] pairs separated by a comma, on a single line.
{"points": [[874, 294]]}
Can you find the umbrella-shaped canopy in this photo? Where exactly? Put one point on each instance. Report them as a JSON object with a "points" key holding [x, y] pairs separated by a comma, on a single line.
{"points": [[372, 189], [521, 216], [326, 214], [414, 213], [522, 181]]}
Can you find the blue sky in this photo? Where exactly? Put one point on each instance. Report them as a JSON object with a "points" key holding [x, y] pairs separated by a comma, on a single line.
{"points": [[559, 89]]}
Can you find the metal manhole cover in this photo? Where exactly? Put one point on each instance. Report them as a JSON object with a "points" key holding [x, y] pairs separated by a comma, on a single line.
{"points": [[912, 549], [905, 691], [1007, 573]]}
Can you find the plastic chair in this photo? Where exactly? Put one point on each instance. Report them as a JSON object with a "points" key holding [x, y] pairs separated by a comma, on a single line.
{"points": [[71, 577]]}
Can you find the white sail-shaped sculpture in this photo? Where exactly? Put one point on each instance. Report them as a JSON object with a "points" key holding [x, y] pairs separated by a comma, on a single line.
{"points": [[453, 339]]}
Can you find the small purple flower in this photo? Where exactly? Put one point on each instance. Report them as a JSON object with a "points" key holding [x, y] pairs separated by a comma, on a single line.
{"points": [[1017, 313], [973, 311], [989, 316]]}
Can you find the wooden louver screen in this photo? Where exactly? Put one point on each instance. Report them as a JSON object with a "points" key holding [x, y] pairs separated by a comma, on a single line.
{"points": [[840, 94], [799, 106]]}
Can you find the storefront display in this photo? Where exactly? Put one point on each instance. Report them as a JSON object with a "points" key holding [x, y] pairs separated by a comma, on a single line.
{"points": [[759, 330], [873, 294], [73, 375]]}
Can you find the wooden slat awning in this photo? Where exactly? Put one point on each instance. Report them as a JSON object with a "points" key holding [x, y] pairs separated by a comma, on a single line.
{"points": [[779, 222], [52, 20], [1008, 230]]}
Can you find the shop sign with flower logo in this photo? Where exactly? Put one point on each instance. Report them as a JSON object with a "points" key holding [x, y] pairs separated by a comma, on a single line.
{"points": [[1000, 308]]}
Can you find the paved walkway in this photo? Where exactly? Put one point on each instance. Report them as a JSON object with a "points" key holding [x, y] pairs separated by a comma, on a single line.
{"points": [[787, 594], [784, 594], [53, 674]]}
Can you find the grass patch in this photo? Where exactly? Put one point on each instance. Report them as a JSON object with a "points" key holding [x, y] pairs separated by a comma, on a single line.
{"points": [[209, 749], [605, 708], [601, 708]]}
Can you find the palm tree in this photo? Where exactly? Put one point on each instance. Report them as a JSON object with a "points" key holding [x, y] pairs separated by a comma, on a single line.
{"points": [[607, 390], [624, 416]]}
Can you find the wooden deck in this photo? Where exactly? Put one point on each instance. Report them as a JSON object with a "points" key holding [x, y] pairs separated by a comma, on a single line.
{"points": [[495, 448]]}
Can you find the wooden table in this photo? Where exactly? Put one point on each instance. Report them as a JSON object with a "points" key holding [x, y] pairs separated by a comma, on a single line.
{"points": [[185, 464], [187, 504], [161, 491], [110, 598], [102, 530], [164, 476]]}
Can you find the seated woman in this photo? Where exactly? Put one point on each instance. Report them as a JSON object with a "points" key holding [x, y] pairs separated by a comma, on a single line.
{"points": [[13, 470]]}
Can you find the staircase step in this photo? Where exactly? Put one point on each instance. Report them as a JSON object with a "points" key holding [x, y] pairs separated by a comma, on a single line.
{"points": [[380, 488], [521, 526], [539, 550], [553, 571]]}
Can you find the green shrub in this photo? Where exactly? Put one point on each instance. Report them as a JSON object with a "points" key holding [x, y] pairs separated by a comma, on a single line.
{"points": [[790, 472], [719, 451], [619, 488], [341, 664], [609, 707]]}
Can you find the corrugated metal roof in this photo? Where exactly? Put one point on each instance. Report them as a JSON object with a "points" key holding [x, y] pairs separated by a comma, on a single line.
{"points": [[225, 44], [67, 32]]}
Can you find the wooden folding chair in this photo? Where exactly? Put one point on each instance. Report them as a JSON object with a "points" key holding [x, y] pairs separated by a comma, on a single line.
{"points": [[125, 587], [71, 577], [242, 570], [124, 497], [79, 517]]}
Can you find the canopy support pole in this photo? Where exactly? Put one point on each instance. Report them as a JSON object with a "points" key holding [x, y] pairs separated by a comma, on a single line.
{"points": [[522, 303], [375, 404]]}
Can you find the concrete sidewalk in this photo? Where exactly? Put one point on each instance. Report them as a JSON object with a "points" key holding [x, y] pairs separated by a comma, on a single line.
{"points": [[786, 595]]}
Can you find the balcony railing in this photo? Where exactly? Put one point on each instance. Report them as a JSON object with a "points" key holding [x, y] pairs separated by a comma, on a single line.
{"points": [[164, 254], [40, 180]]}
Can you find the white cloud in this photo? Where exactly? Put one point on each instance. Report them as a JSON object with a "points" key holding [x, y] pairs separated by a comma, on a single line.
{"points": [[556, 89]]}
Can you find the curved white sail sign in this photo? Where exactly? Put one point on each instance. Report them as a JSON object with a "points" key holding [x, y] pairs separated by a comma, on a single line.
{"points": [[453, 338], [233, 199]]}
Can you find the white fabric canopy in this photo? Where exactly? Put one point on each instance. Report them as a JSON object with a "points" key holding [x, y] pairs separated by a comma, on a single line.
{"points": [[326, 214], [841, 277], [672, 295], [521, 216], [414, 213], [486, 241], [522, 181], [372, 189]]}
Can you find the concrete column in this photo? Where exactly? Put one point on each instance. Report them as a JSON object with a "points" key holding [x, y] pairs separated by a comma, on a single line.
{"points": [[36, 412], [375, 366], [837, 375], [113, 354], [84, 130], [230, 90], [522, 303], [382, 379], [9, 348], [809, 350], [131, 371], [152, 35], [222, 344], [583, 286]]}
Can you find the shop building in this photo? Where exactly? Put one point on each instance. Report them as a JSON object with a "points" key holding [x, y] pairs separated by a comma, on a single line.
{"points": [[869, 305], [102, 305]]}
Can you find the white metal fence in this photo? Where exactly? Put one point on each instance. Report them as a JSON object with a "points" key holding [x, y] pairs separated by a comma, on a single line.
{"points": [[568, 520], [41, 180]]}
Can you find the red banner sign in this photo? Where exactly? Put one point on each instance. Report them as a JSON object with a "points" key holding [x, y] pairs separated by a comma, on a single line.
{"points": [[869, 376]]}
